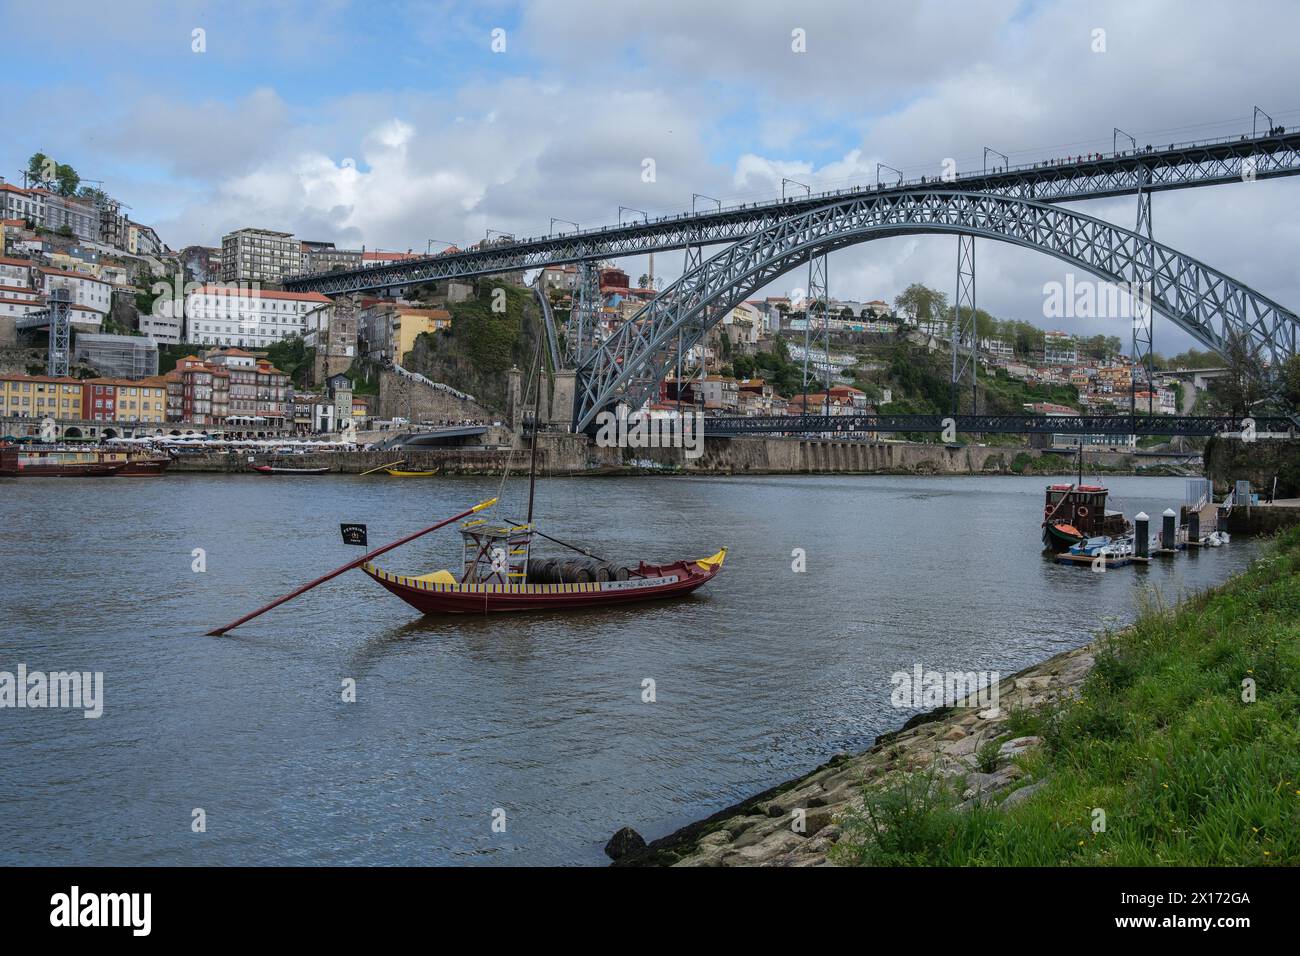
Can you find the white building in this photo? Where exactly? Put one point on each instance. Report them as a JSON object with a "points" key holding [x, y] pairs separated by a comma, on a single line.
{"points": [[251, 318], [164, 329], [87, 291], [1059, 349], [16, 272], [86, 319]]}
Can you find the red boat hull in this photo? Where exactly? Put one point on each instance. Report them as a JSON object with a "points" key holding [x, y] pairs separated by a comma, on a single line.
{"points": [[653, 582]]}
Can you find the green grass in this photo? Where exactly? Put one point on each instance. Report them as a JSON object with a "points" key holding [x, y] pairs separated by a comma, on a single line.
{"points": [[1160, 740]]}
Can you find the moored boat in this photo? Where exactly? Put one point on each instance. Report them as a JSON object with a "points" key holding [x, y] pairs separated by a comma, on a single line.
{"points": [[145, 466], [31, 461], [1077, 512], [399, 473], [281, 470], [441, 592]]}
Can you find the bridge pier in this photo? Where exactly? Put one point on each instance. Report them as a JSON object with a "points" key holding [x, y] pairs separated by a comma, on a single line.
{"points": [[965, 329], [1143, 319]]}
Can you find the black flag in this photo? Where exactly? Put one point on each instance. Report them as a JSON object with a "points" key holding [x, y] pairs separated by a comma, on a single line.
{"points": [[353, 534]]}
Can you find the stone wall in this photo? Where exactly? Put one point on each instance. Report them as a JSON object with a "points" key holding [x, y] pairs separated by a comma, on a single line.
{"points": [[399, 396], [566, 454], [1228, 460]]}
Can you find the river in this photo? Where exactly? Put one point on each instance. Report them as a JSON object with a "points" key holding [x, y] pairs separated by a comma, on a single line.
{"points": [[534, 722]]}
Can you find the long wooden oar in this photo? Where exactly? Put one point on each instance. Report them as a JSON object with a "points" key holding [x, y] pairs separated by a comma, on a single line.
{"points": [[349, 566], [391, 464]]}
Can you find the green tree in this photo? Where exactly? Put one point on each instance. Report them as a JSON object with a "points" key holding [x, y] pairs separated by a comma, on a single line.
{"points": [[922, 303], [60, 177], [1290, 382], [1244, 385], [41, 169]]}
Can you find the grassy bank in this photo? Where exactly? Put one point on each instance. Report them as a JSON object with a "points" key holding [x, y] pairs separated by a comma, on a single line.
{"points": [[1160, 741]]}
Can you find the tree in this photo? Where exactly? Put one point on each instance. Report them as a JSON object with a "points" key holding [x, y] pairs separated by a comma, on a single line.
{"points": [[60, 177], [41, 169], [1244, 385], [921, 303], [1289, 379]]}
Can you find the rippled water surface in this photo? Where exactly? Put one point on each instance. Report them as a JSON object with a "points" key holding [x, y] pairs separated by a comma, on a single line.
{"points": [[760, 676]]}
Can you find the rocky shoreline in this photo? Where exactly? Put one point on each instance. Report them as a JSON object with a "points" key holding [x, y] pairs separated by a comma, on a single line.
{"points": [[798, 822]]}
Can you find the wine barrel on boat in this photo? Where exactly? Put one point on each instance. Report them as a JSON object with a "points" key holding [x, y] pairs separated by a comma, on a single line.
{"points": [[574, 571]]}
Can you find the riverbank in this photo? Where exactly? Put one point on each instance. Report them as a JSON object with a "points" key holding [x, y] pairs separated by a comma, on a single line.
{"points": [[1174, 741], [568, 455]]}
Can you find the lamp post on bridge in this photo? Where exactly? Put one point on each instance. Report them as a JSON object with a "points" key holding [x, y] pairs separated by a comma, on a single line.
{"points": [[696, 196], [622, 209], [794, 182], [554, 219], [1254, 118], [898, 172], [428, 246], [1115, 134], [990, 149]]}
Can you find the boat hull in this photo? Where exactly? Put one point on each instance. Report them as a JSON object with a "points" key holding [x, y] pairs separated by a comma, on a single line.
{"points": [[1058, 540], [145, 467], [653, 582], [61, 471], [272, 470]]}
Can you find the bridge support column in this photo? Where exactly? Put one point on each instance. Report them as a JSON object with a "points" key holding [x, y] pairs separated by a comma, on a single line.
{"points": [[581, 332], [1143, 338], [817, 309], [964, 326], [693, 260], [563, 399]]}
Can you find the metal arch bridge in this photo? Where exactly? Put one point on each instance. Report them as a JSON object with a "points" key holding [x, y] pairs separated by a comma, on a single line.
{"points": [[1202, 301], [1179, 166]]}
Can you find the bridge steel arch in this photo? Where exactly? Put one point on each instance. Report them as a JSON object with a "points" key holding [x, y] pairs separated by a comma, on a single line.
{"points": [[1202, 301]]}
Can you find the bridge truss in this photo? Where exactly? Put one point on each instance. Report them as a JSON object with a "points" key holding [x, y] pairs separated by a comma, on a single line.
{"points": [[1204, 302]]}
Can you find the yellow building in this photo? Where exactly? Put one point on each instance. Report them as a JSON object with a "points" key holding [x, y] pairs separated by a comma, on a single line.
{"points": [[40, 396], [408, 324]]}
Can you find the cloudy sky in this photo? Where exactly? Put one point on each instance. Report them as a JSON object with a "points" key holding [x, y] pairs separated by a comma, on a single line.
{"points": [[392, 124]]}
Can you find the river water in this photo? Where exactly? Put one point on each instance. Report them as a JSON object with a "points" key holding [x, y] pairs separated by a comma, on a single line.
{"points": [[535, 722]]}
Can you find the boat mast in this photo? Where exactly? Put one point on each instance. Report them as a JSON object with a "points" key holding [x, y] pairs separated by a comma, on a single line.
{"points": [[537, 408]]}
